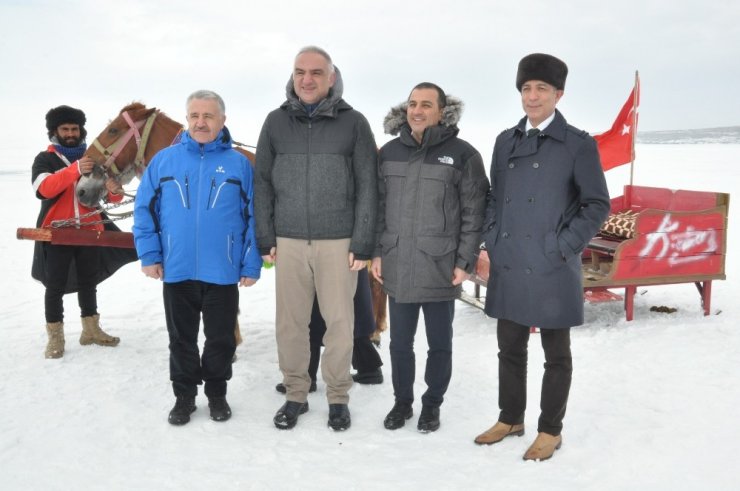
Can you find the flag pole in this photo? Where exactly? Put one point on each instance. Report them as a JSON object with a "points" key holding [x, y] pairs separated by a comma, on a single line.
{"points": [[635, 102]]}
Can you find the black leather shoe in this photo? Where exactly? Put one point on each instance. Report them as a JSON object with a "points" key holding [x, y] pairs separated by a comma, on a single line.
{"points": [[183, 408], [287, 416], [281, 388], [369, 378], [428, 419], [398, 416], [339, 418], [220, 410]]}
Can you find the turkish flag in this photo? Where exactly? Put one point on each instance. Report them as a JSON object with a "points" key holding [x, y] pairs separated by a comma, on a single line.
{"points": [[615, 145]]}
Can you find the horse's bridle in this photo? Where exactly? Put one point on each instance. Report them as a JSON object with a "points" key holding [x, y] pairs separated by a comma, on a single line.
{"points": [[114, 149]]}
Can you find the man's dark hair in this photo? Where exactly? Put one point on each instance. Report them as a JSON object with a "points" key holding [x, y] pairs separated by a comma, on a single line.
{"points": [[441, 96]]}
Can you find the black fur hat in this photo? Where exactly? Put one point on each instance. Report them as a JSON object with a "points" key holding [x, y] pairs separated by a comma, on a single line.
{"points": [[65, 114], [539, 66]]}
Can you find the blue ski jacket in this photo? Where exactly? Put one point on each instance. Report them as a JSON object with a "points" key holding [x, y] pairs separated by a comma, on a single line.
{"points": [[194, 213]]}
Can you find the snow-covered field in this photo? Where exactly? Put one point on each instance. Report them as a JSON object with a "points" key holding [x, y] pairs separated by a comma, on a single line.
{"points": [[653, 405]]}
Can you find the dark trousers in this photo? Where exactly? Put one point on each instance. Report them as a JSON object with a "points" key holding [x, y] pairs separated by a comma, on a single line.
{"points": [[365, 357], [59, 260], [404, 318], [512, 371], [184, 303]]}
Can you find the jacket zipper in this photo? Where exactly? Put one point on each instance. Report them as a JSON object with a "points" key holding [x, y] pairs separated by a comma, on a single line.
{"points": [[187, 192], [444, 213], [210, 193], [197, 211], [308, 187]]}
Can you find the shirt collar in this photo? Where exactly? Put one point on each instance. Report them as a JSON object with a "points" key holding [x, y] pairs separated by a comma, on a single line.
{"points": [[528, 126]]}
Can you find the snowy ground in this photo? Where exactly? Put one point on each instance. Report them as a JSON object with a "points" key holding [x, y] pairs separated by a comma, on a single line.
{"points": [[653, 404]]}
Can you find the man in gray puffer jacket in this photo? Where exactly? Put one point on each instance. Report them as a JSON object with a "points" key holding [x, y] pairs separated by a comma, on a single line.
{"points": [[432, 198], [315, 211]]}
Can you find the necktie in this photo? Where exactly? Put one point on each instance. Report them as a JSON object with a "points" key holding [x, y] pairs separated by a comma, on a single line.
{"points": [[532, 132]]}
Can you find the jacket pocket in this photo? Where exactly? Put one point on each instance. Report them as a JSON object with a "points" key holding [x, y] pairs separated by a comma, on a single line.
{"points": [[552, 250], [226, 190], [169, 184], [434, 262]]}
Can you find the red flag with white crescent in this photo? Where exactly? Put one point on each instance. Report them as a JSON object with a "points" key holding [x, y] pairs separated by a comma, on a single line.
{"points": [[616, 146]]}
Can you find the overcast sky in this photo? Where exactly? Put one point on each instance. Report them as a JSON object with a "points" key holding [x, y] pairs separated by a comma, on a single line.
{"points": [[100, 55]]}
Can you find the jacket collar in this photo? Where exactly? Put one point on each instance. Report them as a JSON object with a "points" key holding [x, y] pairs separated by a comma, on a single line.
{"points": [[556, 129], [223, 140], [524, 146], [432, 135]]}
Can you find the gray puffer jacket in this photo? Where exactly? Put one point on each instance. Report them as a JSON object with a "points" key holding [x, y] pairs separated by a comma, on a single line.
{"points": [[432, 199], [316, 174]]}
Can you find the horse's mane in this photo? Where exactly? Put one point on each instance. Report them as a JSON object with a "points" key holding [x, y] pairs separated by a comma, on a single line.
{"points": [[140, 111]]}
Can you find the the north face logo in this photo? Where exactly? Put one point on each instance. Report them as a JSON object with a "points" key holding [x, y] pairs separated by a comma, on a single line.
{"points": [[220, 170], [446, 160]]}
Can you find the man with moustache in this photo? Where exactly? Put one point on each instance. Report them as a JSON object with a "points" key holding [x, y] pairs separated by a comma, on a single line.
{"points": [[315, 205], [548, 199], [66, 268], [194, 230]]}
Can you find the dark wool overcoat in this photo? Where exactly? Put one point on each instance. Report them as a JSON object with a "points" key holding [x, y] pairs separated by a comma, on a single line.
{"points": [[548, 199]]}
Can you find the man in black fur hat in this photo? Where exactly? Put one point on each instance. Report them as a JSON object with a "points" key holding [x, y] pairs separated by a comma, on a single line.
{"points": [[548, 199], [62, 268]]}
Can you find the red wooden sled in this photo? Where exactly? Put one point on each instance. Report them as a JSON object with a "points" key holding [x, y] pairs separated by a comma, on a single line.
{"points": [[680, 237]]}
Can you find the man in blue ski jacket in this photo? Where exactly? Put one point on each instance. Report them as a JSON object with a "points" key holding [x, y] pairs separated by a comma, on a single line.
{"points": [[194, 230]]}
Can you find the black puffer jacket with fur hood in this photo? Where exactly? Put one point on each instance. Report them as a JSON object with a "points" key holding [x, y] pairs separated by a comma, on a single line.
{"points": [[432, 199]]}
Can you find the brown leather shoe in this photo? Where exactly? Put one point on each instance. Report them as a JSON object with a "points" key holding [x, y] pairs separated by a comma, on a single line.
{"points": [[498, 432], [543, 447]]}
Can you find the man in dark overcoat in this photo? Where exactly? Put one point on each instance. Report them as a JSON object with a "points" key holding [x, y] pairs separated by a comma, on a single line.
{"points": [[548, 199]]}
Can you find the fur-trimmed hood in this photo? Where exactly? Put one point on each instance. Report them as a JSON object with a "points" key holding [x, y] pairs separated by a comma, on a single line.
{"points": [[396, 117]]}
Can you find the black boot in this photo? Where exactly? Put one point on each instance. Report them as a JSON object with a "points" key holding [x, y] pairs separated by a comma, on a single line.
{"points": [[369, 378], [220, 410], [339, 418], [428, 419], [287, 416], [397, 417], [180, 413], [281, 388]]}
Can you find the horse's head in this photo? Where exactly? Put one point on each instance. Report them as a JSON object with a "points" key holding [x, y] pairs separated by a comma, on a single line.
{"points": [[117, 151]]}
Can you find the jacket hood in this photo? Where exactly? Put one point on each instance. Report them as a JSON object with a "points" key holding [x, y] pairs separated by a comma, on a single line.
{"points": [[396, 117], [326, 106], [223, 140]]}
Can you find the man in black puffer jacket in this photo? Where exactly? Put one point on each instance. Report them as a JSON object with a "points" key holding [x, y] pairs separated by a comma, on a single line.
{"points": [[315, 208], [432, 198]]}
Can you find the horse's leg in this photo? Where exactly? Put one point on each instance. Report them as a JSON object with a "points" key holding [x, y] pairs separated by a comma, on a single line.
{"points": [[380, 299], [237, 335], [237, 331]]}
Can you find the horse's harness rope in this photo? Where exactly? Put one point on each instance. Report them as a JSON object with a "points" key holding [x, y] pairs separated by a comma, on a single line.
{"points": [[74, 222], [112, 151]]}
